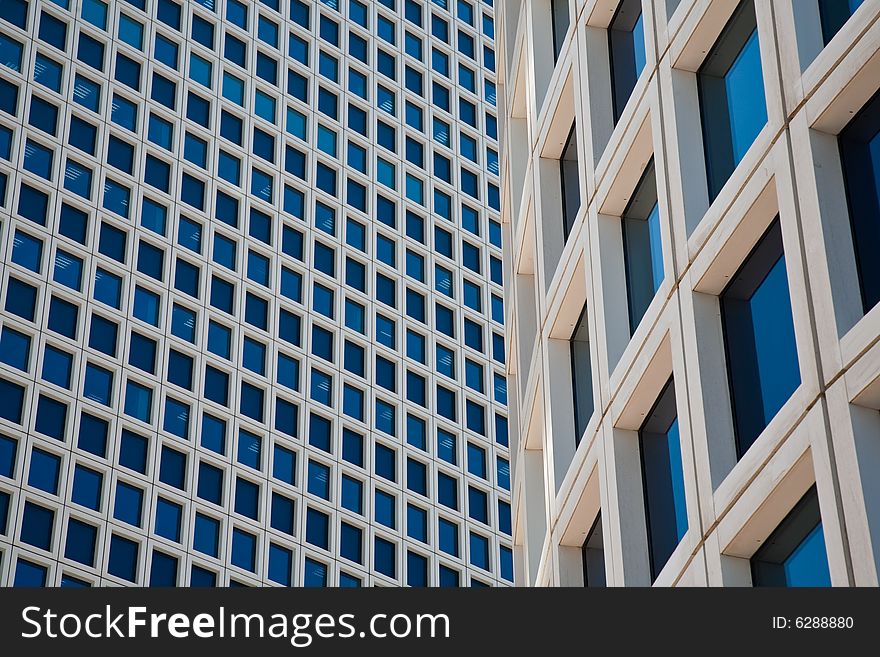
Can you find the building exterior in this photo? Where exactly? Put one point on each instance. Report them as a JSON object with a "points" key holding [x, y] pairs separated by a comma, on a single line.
{"points": [[690, 208], [251, 320]]}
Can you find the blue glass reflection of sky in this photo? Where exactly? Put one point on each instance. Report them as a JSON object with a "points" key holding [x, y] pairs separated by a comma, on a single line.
{"points": [[676, 477], [776, 352], [808, 564], [638, 35], [656, 245], [745, 97]]}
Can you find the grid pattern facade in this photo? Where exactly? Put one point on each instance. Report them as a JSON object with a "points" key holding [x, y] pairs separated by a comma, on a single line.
{"points": [[590, 366], [252, 317]]}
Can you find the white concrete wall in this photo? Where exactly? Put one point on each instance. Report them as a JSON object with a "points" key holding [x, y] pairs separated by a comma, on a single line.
{"points": [[828, 433]]}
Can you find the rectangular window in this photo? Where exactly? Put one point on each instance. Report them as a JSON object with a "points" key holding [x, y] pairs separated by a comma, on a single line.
{"points": [[560, 21], [665, 508], [762, 359], [733, 107], [794, 554], [642, 250], [593, 554], [581, 375], [859, 145], [626, 48], [570, 182]]}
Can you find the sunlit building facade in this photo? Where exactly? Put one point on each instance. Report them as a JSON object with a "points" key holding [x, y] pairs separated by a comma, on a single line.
{"points": [[691, 219]]}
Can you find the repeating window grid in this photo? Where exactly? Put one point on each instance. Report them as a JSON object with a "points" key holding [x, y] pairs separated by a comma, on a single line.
{"points": [[736, 217], [174, 251]]}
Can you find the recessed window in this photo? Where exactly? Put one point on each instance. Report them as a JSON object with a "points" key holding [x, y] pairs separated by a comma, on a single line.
{"points": [[733, 107], [665, 508], [762, 359], [593, 554], [834, 13], [626, 46], [581, 375], [642, 249], [794, 554], [570, 182], [859, 144]]}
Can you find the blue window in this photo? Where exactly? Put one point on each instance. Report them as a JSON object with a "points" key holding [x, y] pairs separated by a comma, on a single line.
{"points": [[352, 494], [350, 542], [15, 348], [33, 204], [72, 223], [284, 465], [11, 401], [172, 468], [21, 299], [247, 498], [168, 517], [44, 470], [732, 102], [57, 366], [383, 509], [27, 251], [762, 359], [319, 479], [124, 112], [213, 434], [51, 417], [29, 574], [138, 401], [8, 449], [47, 71], [280, 564], [80, 544], [384, 557], [87, 486], [123, 560], [448, 538], [479, 551], [353, 447], [206, 535], [417, 523], [163, 569], [176, 418], [447, 490], [416, 476], [37, 525], [133, 451], [98, 385], [250, 449], [38, 159], [833, 15], [93, 434], [794, 554], [626, 42], [502, 469], [282, 513], [859, 146], [244, 550], [210, 486], [317, 528], [642, 250], [315, 574], [665, 507]]}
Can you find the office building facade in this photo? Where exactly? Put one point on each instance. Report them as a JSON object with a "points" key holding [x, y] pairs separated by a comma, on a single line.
{"points": [[690, 208], [251, 320]]}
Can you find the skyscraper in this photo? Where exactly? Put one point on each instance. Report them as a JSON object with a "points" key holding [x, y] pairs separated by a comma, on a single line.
{"points": [[252, 317], [691, 195]]}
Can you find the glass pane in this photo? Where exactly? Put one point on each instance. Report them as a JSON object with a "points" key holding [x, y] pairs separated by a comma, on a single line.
{"points": [[665, 507]]}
